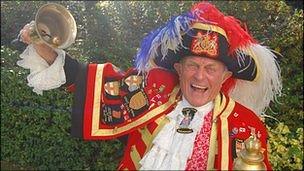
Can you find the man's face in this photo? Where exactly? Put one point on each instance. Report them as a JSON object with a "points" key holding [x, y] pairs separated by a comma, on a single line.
{"points": [[201, 78]]}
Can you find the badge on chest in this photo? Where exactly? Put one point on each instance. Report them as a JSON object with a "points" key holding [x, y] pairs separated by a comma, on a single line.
{"points": [[188, 114]]}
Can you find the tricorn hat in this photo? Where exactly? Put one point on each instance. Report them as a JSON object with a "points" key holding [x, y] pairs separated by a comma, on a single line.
{"points": [[206, 32]]}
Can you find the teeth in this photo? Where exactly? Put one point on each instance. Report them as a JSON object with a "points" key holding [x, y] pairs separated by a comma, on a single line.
{"points": [[199, 87]]}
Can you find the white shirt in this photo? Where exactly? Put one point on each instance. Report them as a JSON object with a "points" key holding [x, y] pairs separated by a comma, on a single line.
{"points": [[171, 150]]}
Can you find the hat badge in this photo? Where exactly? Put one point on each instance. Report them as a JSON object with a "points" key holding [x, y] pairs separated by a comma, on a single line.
{"points": [[205, 44]]}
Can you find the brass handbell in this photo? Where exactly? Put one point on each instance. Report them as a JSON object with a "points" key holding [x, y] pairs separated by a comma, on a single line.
{"points": [[54, 25], [250, 158]]}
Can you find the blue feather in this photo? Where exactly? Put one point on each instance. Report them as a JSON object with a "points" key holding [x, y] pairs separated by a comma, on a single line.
{"points": [[170, 33]]}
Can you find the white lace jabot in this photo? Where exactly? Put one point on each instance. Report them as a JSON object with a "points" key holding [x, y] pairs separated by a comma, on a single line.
{"points": [[171, 150], [42, 75]]}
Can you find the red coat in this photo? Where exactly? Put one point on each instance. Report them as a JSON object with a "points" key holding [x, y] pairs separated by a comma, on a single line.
{"points": [[110, 103]]}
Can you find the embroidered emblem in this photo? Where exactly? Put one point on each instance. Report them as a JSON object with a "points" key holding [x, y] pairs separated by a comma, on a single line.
{"points": [[155, 98], [235, 114], [205, 44], [252, 130], [116, 114], [234, 131], [237, 146], [188, 114], [107, 113], [241, 129], [136, 102], [133, 82], [112, 88], [125, 115], [112, 114]]}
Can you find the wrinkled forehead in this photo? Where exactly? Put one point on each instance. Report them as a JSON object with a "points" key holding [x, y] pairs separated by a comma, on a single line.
{"points": [[200, 60]]}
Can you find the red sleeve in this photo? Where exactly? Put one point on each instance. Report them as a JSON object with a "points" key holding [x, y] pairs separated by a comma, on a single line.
{"points": [[116, 102]]}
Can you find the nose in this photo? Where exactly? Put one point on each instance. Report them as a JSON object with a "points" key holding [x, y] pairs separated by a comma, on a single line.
{"points": [[200, 74]]}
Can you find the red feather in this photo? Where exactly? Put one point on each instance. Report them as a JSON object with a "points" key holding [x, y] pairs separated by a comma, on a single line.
{"points": [[237, 36]]}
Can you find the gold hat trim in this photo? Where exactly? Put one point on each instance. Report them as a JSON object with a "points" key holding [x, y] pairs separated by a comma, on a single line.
{"points": [[210, 27]]}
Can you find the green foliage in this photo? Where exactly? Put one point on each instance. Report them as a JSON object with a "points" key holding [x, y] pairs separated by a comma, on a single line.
{"points": [[274, 24], [286, 150], [35, 129], [290, 44]]}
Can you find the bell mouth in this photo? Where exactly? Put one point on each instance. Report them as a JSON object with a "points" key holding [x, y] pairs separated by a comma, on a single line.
{"points": [[55, 26]]}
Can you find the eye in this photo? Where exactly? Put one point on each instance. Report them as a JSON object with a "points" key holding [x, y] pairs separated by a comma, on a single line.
{"points": [[210, 69], [192, 66]]}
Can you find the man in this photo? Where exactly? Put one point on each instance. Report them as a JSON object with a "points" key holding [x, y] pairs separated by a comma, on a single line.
{"points": [[175, 106]]}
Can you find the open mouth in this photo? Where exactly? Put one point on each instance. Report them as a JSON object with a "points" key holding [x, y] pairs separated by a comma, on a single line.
{"points": [[199, 88]]}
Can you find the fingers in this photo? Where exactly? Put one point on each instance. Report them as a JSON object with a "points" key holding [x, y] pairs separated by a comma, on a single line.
{"points": [[26, 26], [25, 34]]}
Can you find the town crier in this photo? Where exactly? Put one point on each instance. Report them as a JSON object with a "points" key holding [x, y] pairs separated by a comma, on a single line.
{"points": [[198, 89]]}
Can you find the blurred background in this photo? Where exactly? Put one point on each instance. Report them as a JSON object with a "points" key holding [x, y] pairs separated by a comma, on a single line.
{"points": [[35, 129]]}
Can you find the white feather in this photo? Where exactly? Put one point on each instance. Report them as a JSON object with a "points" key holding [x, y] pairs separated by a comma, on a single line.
{"points": [[165, 42], [258, 94]]}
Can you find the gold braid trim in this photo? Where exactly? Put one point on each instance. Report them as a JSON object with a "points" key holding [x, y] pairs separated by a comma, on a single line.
{"points": [[96, 131]]}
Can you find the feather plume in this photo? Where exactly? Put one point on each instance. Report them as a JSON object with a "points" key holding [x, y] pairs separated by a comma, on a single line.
{"points": [[258, 94], [166, 37]]}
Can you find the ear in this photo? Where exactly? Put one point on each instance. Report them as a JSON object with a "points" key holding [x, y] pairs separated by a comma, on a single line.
{"points": [[178, 68], [226, 75]]}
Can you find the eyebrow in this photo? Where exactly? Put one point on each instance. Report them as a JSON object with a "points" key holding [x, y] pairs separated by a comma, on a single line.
{"points": [[190, 61], [210, 65], [207, 65]]}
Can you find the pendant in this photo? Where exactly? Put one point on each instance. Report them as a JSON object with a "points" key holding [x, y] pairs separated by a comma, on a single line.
{"points": [[184, 125]]}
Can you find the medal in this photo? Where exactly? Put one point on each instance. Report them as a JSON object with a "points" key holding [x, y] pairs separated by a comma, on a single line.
{"points": [[184, 124]]}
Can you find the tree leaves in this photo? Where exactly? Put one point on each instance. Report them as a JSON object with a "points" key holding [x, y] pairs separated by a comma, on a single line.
{"points": [[35, 129]]}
